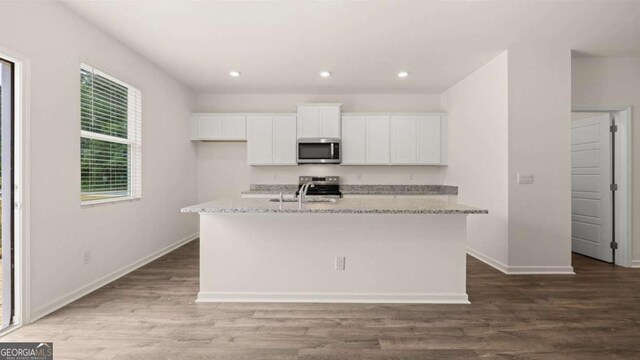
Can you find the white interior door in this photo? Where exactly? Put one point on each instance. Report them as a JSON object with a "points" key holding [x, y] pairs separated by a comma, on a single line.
{"points": [[591, 201]]}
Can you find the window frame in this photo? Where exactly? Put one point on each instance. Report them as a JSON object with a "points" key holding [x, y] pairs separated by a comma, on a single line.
{"points": [[133, 140]]}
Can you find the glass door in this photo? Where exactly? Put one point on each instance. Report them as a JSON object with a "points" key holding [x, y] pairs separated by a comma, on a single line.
{"points": [[6, 191]]}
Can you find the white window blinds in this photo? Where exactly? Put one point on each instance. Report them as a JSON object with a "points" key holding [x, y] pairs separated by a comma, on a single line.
{"points": [[110, 138]]}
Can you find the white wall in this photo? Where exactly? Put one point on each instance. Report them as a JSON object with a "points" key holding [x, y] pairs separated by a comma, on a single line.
{"points": [[612, 81], [539, 143], [222, 169], [509, 117], [478, 156], [53, 42], [219, 162]]}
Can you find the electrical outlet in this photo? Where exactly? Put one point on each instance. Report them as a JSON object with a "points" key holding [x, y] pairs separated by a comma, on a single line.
{"points": [[86, 257], [525, 178], [340, 263], [359, 177], [410, 176]]}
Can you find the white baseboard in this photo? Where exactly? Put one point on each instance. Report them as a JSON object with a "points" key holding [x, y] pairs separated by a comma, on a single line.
{"points": [[540, 270], [488, 260], [521, 270], [95, 285], [635, 263], [371, 298]]}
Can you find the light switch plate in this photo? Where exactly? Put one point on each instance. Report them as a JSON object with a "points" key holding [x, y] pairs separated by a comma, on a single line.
{"points": [[525, 178]]}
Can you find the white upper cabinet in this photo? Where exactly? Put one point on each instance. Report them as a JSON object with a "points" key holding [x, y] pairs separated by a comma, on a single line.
{"points": [[271, 139], [330, 121], [403, 139], [418, 139], [260, 140], [365, 140], [394, 139], [378, 140], [319, 120], [222, 127], [308, 121], [284, 140], [234, 127], [354, 140], [430, 139]]}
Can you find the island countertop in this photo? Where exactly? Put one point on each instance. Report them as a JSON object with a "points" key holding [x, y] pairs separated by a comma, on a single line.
{"points": [[370, 205]]}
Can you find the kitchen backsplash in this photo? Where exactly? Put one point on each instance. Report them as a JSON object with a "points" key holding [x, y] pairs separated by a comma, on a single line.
{"points": [[350, 174]]}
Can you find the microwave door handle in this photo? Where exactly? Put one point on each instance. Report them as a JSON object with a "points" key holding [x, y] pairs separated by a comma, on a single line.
{"points": [[332, 149]]}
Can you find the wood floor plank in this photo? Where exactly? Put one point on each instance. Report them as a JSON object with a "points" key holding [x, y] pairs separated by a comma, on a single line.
{"points": [[151, 314]]}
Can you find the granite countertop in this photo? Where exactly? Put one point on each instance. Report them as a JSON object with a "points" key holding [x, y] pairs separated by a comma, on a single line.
{"points": [[271, 189], [346, 205], [399, 189], [361, 189]]}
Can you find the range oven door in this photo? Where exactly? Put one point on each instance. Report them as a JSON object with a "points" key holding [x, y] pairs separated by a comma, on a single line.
{"points": [[319, 151]]}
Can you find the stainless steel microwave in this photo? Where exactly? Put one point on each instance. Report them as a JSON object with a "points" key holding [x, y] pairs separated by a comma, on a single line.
{"points": [[319, 151]]}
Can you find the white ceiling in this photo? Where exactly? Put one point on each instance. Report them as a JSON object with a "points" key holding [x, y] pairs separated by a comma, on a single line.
{"points": [[281, 46]]}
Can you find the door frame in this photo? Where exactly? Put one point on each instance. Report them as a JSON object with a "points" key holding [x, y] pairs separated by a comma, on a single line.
{"points": [[623, 173], [21, 280]]}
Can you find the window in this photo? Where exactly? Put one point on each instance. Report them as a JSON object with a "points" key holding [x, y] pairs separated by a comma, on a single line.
{"points": [[110, 139]]}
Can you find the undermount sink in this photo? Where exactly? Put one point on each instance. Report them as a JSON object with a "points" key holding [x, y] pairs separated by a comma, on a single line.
{"points": [[323, 200], [307, 200]]}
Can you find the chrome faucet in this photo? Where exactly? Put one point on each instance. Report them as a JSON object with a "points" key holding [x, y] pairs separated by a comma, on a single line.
{"points": [[303, 192]]}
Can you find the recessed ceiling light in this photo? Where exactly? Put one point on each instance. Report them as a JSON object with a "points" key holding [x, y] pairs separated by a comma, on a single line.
{"points": [[403, 74], [234, 73], [325, 74]]}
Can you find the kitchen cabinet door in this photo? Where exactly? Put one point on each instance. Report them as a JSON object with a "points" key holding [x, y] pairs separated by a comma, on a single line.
{"points": [[429, 139], [354, 140], [208, 127], [308, 121], [233, 127], [329, 124], [403, 140], [319, 120], [377, 140], [260, 140], [284, 140], [218, 127]]}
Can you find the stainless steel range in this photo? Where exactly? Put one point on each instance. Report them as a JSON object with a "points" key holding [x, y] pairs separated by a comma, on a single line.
{"points": [[323, 186]]}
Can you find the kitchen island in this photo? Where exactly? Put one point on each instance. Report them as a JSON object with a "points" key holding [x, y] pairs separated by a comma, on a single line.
{"points": [[370, 250]]}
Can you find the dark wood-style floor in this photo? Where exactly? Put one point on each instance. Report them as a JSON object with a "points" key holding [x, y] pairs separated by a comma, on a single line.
{"points": [[151, 314]]}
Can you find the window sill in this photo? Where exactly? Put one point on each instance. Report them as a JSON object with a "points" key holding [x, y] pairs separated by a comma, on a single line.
{"points": [[94, 203]]}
